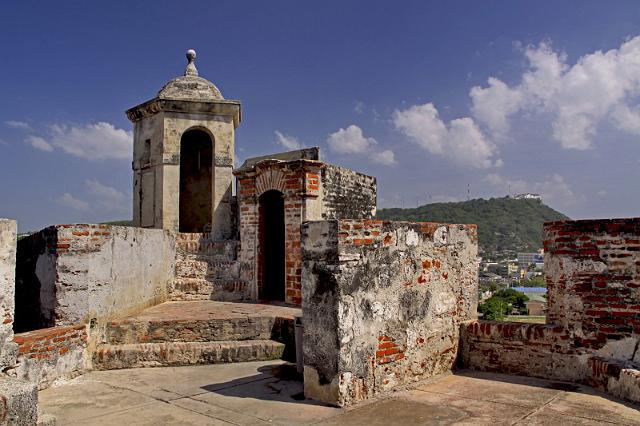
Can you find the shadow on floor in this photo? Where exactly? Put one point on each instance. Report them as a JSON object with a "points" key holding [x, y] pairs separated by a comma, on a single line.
{"points": [[544, 384], [277, 382]]}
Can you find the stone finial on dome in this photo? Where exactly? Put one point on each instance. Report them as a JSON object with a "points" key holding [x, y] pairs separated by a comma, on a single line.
{"points": [[191, 66]]}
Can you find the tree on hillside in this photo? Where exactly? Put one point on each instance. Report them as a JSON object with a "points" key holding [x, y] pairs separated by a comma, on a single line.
{"points": [[494, 309], [502, 303]]}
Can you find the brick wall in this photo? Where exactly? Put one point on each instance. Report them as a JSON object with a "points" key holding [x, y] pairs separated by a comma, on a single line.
{"points": [[70, 274], [537, 350], [299, 183], [50, 354], [545, 351], [312, 190], [382, 304], [592, 269]]}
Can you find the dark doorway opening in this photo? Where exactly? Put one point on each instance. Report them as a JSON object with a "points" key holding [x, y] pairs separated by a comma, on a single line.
{"points": [[196, 181], [272, 259]]}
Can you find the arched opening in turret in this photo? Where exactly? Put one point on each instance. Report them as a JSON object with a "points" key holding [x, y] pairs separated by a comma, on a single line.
{"points": [[196, 182], [271, 267]]}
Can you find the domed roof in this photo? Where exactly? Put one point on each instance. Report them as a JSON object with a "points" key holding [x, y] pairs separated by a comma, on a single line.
{"points": [[190, 87]]}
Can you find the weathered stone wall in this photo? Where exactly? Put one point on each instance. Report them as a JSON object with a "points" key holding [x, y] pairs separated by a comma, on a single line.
{"points": [[50, 354], [18, 399], [537, 350], [207, 269], [347, 194], [592, 268], [382, 304], [546, 351], [8, 230], [83, 272]]}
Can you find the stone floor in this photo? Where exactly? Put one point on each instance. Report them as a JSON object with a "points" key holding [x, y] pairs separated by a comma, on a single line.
{"points": [[203, 310], [261, 393]]}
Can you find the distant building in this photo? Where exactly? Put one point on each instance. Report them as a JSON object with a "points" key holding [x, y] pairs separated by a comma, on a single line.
{"points": [[528, 196], [512, 269], [532, 290], [537, 303], [527, 259]]}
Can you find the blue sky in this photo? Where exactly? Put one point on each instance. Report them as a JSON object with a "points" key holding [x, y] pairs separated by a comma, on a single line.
{"points": [[428, 96]]}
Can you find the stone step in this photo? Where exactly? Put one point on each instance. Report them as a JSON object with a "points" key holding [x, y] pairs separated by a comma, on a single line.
{"points": [[19, 402], [203, 244], [186, 329], [45, 419], [111, 357], [204, 267], [227, 290]]}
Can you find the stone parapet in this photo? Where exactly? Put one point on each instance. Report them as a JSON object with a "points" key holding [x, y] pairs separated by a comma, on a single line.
{"points": [[382, 304], [50, 354], [592, 268], [8, 229], [536, 350], [71, 274]]}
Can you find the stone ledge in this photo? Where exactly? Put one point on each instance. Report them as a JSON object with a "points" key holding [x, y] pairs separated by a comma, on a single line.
{"points": [[112, 357], [18, 402]]}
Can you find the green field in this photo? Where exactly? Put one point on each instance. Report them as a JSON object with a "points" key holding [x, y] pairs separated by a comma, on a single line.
{"points": [[526, 318]]}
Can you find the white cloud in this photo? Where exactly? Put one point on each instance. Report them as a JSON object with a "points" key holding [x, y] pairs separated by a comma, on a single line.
{"points": [[288, 142], [627, 119], [386, 157], [359, 107], [601, 193], [107, 193], [460, 140], [15, 124], [99, 141], [69, 200], [350, 141], [107, 197], [39, 143], [493, 104], [554, 190], [597, 88]]}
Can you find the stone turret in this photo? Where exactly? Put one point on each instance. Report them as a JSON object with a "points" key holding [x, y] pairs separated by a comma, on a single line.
{"points": [[183, 156]]}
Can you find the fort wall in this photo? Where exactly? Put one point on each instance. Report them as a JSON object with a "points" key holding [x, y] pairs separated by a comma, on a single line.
{"points": [[347, 194], [312, 190], [8, 229], [382, 304], [49, 354], [592, 269], [18, 398], [72, 274]]}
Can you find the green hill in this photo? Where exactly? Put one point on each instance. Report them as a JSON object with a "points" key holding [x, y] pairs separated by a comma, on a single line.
{"points": [[503, 223]]}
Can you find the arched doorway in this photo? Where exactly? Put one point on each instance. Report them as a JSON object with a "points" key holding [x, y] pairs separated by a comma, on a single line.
{"points": [[196, 181], [272, 259]]}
